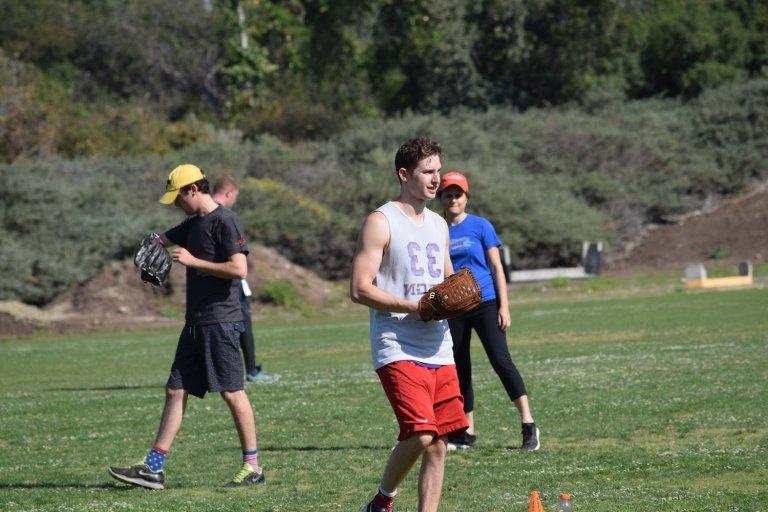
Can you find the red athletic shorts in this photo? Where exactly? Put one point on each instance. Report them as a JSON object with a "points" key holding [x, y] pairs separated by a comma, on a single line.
{"points": [[424, 399]]}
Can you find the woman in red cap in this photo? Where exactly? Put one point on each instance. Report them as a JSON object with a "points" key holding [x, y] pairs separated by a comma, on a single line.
{"points": [[474, 244]]}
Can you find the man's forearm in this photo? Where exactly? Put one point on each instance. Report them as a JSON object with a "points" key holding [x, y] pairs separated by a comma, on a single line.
{"points": [[375, 298], [223, 270]]}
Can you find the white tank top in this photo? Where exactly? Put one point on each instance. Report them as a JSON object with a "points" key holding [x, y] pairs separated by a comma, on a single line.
{"points": [[413, 263]]}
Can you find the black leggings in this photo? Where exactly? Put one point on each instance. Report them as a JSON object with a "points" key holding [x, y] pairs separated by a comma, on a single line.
{"points": [[484, 320], [246, 337]]}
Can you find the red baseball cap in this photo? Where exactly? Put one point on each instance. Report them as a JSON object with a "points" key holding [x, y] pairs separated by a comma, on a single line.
{"points": [[454, 178]]}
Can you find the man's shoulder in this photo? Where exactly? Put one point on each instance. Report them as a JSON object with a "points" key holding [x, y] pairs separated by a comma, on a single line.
{"points": [[377, 214], [376, 217], [376, 222], [384, 208]]}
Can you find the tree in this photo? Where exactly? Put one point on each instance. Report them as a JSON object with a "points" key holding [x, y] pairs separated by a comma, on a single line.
{"points": [[338, 32], [546, 52], [40, 31], [421, 57], [154, 50], [691, 46]]}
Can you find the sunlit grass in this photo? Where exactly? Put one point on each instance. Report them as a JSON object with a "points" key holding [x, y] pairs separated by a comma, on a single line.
{"points": [[647, 401]]}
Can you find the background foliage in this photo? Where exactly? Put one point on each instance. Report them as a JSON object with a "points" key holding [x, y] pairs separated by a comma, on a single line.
{"points": [[574, 119], [547, 178], [80, 71]]}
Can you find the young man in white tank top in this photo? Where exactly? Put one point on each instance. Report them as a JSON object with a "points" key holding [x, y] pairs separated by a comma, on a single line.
{"points": [[403, 251]]}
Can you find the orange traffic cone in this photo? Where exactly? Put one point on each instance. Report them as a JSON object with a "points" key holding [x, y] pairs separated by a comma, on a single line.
{"points": [[535, 505]]}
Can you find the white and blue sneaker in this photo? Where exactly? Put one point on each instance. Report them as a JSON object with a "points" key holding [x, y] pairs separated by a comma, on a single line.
{"points": [[261, 376]]}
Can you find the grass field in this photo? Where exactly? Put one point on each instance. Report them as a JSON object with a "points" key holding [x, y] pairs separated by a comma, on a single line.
{"points": [[647, 402]]}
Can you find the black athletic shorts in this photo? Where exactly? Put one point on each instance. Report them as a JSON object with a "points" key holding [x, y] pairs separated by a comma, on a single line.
{"points": [[208, 359]]}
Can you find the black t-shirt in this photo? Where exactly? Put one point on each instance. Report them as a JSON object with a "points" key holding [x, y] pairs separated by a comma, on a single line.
{"points": [[214, 237]]}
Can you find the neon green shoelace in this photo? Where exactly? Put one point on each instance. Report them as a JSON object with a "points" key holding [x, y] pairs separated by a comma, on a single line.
{"points": [[243, 473]]}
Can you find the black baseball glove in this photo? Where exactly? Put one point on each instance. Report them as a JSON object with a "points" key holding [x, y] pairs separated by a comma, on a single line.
{"points": [[153, 260]]}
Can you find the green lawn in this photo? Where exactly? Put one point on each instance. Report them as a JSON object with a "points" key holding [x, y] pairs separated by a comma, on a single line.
{"points": [[646, 402]]}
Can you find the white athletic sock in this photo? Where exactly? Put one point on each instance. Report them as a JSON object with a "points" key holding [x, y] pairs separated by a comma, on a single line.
{"points": [[387, 493]]}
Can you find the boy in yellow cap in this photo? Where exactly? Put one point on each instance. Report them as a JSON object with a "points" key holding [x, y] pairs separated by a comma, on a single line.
{"points": [[211, 244]]}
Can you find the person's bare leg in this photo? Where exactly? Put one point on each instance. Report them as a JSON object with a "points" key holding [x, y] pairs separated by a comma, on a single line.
{"points": [[242, 413], [403, 457], [525, 412], [170, 421], [471, 420], [431, 475]]}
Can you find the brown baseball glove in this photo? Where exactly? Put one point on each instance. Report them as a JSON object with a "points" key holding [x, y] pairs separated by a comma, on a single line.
{"points": [[153, 260], [458, 294]]}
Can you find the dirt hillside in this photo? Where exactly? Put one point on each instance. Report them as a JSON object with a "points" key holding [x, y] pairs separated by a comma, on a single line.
{"points": [[116, 298], [736, 230]]}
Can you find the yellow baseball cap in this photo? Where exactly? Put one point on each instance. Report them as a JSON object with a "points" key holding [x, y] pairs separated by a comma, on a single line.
{"points": [[183, 175]]}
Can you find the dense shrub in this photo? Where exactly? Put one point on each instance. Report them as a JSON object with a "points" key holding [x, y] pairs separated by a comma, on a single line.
{"points": [[312, 234], [27, 125], [66, 219], [547, 179], [730, 125], [41, 119], [281, 293], [63, 220]]}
